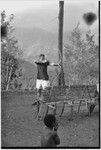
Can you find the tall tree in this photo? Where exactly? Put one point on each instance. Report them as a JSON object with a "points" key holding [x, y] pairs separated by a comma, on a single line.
{"points": [[82, 56], [10, 52], [61, 81]]}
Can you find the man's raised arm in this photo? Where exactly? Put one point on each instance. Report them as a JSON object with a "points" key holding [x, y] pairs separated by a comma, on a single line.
{"points": [[53, 64], [36, 61]]}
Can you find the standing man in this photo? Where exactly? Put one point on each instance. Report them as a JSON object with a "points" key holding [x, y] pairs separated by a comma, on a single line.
{"points": [[42, 81]]}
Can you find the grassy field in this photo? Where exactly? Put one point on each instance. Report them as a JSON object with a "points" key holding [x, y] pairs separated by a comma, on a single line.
{"points": [[19, 128]]}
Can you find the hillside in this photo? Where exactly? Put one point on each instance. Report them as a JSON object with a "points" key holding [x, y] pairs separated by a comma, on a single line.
{"points": [[28, 68], [34, 35], [35, 41]]}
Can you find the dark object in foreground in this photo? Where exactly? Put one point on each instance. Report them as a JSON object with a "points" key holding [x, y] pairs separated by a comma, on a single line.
{"points": [[89, 18], [3, 31]]}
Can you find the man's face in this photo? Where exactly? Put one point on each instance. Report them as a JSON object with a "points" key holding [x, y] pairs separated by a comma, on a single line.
{"points": [[42, 58]]}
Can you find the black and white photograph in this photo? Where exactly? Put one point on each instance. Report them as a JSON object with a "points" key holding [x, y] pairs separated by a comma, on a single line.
{"points": [[50, 74]]}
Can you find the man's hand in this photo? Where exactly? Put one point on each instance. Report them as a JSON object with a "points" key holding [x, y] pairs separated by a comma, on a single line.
{"points": [[35, 61], [53, 64]]}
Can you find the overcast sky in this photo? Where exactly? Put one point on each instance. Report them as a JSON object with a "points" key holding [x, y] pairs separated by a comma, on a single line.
{"points": [[73, 11], [20, 6], [12, 6]]}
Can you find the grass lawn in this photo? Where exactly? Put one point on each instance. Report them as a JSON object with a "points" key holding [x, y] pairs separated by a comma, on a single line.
{"points": [[19, 128]]}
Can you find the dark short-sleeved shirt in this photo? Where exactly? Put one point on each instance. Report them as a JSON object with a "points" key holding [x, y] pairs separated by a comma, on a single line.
{"points": [[42, 70], [50, 140]]}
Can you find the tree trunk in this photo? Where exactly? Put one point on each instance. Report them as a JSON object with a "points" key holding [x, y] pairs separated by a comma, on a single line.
{"points": [[7, 72], [9, 78], [61, 81]]}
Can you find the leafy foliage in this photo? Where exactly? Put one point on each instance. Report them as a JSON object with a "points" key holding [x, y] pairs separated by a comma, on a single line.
{"points": [[10, 52], [81, 55]]}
